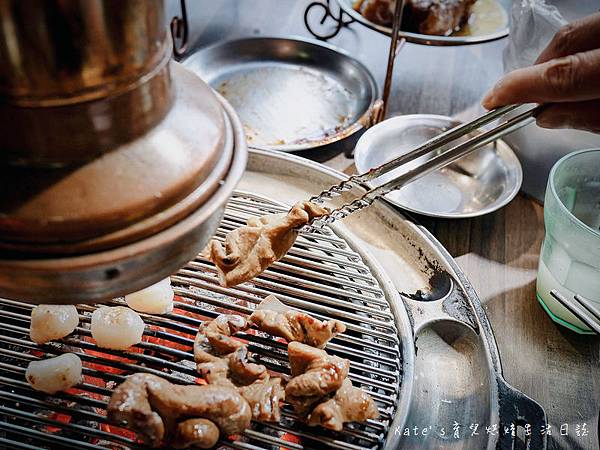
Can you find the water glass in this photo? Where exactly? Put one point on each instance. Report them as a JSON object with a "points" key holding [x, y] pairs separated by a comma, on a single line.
{"points": [[570, 256]]}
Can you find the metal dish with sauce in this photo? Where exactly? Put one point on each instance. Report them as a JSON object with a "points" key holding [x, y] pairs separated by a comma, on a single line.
{"points": [[290, 94], [489, 21]]}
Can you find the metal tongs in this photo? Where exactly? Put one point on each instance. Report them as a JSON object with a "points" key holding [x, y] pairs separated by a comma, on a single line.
{"points": [[435, 163]]}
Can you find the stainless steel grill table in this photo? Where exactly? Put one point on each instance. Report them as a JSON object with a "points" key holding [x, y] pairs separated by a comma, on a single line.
{"points": [[498, 252]]}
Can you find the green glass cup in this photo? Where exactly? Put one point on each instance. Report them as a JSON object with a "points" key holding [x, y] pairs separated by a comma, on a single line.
{"points": [[570, 256]]}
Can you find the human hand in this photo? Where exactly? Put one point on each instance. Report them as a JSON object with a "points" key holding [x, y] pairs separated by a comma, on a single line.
{"points": [[566, 76]]}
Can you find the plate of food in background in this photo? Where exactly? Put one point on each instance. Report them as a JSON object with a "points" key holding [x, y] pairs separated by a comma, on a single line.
{"points": [[435, 22]]}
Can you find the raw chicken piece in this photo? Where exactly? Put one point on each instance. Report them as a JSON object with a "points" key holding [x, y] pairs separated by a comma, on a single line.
{"points": [[214, 337], [350, 404], [54, 374], [152, 407], [199, 433], [117, 327], [275, 318], [155, 299], [314, 372], [250, 249], [50, 322]]}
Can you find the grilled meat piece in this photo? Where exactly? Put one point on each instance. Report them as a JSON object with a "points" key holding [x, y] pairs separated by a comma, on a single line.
{"points": [[216, 372], [233, 369], [303, 405], [349, 404], [199, 433], [252, 381], [264, 397], [378, 11], [275, 318], [433, 17], [437, 17], [314, 372], [214, 337], [250, 249], [262, 392], [244, 372], [152, 407]]}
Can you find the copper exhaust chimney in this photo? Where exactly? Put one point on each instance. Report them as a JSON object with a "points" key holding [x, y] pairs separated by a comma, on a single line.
{"points": [[115, 161]]}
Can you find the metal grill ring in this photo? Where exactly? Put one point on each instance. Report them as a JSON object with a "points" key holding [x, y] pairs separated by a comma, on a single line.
{"points": [[321, 275]]}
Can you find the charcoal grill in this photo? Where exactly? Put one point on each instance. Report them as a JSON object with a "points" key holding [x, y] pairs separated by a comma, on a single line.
{"points": [[321, 275]]}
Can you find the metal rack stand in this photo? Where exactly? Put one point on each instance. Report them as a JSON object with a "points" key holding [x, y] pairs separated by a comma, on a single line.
{"points": [[337, 17], [344, 15], [396, 43], [180, 31]]}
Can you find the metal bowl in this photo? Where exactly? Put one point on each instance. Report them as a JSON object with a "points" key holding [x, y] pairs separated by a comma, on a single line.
{"points": [[290, 94], [477, 184], [487, 35]]}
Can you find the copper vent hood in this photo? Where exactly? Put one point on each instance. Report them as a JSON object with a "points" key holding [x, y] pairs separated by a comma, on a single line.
{"points": [[115, 161]]}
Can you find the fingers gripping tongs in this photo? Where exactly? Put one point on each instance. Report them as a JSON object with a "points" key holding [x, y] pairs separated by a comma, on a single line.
{"points": [[436, 162]]}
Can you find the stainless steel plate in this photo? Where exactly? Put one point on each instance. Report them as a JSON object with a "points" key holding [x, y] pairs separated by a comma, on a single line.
{"points": [[291, 94], [490, 17], [476, 184]]}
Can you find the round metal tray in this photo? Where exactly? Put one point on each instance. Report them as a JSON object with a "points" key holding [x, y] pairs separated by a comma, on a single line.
{"points": [[416, 38], [450, 363], [476, 184], [290, 94]]}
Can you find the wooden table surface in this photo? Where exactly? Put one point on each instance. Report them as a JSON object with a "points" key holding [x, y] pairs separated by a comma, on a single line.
{"points": [[498, 252]]}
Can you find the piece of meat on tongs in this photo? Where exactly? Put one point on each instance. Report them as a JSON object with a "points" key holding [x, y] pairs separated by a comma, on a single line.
{"points": [[250, 249], [277, 319], [159, 411], [224, 361], [315, 374], [349, 404]]}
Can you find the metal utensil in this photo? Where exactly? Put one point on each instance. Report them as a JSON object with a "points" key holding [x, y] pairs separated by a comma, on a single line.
{"points": [[476, 184], [435, 163], [290, 94], [582, 308]]}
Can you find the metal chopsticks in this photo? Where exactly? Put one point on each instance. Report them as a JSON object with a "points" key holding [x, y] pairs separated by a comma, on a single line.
{"points": [[435, 163], [581, 308]]}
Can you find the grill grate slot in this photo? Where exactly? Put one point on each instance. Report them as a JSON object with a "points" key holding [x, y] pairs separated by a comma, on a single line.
{"points": [[321, 275]]}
